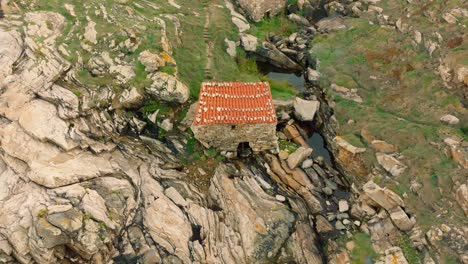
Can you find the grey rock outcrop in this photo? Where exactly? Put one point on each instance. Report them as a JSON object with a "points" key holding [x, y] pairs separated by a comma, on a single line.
{"points": [[268, 51], [257, 10], [168, 88], [305, 110]]}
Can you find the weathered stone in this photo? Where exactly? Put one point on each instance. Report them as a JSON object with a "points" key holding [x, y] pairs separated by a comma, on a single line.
{"points": [[449, 18], [343, 206], [68, 221], [231, 47], [401, 219], [166, 124], [131, 98], [322, 225], [299, 19], [292, 133], [313, 76], [351, 157], [90, 32], [307, 163], [167, 88], [280, 198], [69, 169], [40, 119], [10, 51], [303, 245], [393, 255], [249, 42], [382, 196], [124, 73], [298, 156], [151, 61], [50, 235], [331, 24], [269, 52], [390, 164], [305, 110], [350, 94], [175, 196], [339, 225], [382, 146], [450, 119], [164, 221], [256, 10], [383, 232], [461, 196]]}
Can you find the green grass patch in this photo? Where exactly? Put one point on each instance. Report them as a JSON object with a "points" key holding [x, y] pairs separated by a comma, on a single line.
{"points": [[171, 70], [363, 251], [278, 25], [288, 146], [151, 106], [411, 254]]}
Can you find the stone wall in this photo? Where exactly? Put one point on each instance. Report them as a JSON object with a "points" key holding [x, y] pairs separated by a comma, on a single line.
{"points": [[227, 137]]}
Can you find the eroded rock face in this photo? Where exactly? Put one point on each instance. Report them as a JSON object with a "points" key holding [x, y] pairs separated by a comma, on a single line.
{"points": [[257, 10], [10, 50]]}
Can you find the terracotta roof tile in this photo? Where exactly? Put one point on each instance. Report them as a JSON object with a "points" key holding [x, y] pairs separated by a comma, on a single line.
{"points": [[235, 103]]}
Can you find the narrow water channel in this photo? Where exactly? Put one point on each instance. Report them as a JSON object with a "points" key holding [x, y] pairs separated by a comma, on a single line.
{"points": [[296, 80]]}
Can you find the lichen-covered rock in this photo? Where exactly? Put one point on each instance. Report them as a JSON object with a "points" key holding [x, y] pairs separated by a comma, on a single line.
{"points": [[131, 98], [168, 88]]}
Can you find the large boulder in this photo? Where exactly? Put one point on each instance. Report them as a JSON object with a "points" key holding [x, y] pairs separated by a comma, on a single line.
{"points": [[257, 10], [305, 110], [331, 24], [390, 164], [450, 119], [384, 197], [168, 88], [273, 55]]}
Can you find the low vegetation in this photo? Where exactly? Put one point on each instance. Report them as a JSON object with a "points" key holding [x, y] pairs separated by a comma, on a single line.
{"points": [[363, 251], [403, 101], [278, 25]]}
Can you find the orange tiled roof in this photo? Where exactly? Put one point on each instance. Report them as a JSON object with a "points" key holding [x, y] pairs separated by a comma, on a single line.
{"points": [[235, 103]]}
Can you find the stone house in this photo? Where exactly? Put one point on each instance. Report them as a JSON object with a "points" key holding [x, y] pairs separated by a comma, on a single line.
{"points": [[233, 114]]}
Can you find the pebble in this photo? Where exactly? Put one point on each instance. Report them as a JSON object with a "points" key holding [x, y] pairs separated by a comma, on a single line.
{"points": [[339, 225], [342, 216], [327, 190], [350, 245], [357, 223], [346, 222], [201, 171], [343, 206], [280, 198], [283, 154], [307, 163], [445, 228]]}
